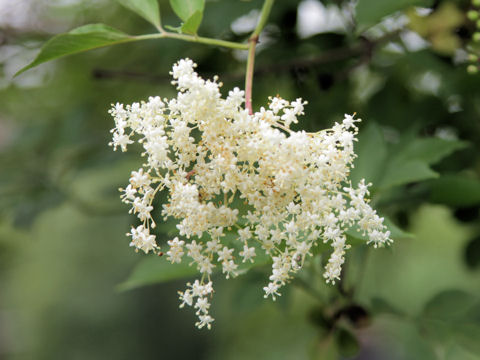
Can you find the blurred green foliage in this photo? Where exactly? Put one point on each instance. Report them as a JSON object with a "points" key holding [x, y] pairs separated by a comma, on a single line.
{"points": [[63, 250]]}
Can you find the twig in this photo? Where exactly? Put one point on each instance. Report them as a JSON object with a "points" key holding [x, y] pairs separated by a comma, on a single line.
{"points": [[252, 43]]}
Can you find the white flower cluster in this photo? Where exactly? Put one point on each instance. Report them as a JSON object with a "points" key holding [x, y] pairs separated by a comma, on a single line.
{"points": [[241, 184]]}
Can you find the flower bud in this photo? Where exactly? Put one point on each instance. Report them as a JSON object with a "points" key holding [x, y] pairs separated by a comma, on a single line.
{"points": [[472, 69], [472, 15]]}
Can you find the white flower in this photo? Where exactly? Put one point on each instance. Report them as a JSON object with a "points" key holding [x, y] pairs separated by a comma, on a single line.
{"points": [[205, 320], [142, 239], [176, 250], [247, 253], [271, 290], [208, 155]]}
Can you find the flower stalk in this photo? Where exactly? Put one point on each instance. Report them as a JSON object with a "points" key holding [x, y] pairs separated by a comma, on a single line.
{"points": [[252, 43]]}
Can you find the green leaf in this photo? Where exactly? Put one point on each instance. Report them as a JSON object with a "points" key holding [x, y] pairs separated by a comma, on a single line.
{"points": [[404, 172], [84, 38], [430, 150], [192, 24], [347, 342], [177, 29], [452, 317], [326, 348], [395, 231], [148, 9], [370, 12], [186, 8], [372, 154], [356, 237], [408, 161], [456, 352], [154, 270], [451, 305], [455, 190], [379, 305]]}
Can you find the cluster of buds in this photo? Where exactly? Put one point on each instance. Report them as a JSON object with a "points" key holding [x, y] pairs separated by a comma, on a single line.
{"points": [[241, 185], [473, 56]]}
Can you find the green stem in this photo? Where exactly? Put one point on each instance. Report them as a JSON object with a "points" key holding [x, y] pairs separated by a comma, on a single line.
{"points": [[252, 43], [267, 7], [193, 38]]}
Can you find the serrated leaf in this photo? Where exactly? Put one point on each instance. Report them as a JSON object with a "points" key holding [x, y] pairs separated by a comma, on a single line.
{"points": [[370, 12], [148, 9], [186, 8], [81, 39], [192, 24]]}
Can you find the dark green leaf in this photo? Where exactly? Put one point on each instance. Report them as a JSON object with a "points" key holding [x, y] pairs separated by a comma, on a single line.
{"points": [[193, 22], [395, 231], [381, 306], [452, 316], [186, 8], [356, 237], [347, 342], [326, 349], [370, 12], [84, 38], [456, 352], [148, 9], [404, 172], [430, 150], [455, 190], [154, 270], [451, 305], [409, 162], [372, 153]]}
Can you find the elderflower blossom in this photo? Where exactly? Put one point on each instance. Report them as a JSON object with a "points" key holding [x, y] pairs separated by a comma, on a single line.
{"points": [[241, 185]]}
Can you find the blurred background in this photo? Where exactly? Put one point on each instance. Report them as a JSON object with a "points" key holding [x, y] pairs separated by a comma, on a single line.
{"points": [[400, 65]]}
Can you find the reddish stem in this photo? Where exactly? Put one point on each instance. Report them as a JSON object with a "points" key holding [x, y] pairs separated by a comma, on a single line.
{"points": [[249, 75]]}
